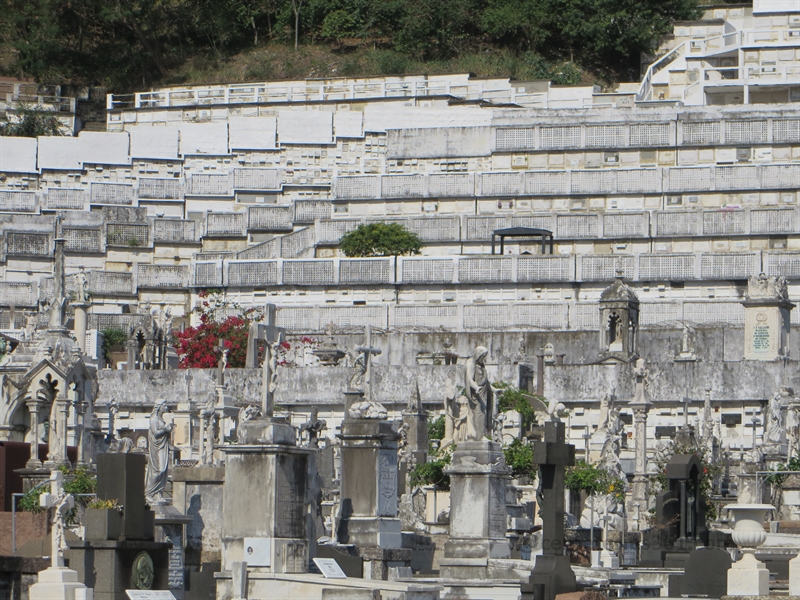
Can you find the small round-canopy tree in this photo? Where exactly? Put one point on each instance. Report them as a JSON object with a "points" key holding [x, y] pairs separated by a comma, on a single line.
{"points": [[380, 239]]}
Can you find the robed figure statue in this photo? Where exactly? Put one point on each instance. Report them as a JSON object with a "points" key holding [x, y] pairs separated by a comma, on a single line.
{"points": [[158, 450], [479, 396]]}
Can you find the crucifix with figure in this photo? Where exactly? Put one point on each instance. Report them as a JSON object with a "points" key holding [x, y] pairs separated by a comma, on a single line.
{"points": [[273, 336], [367, 351]]}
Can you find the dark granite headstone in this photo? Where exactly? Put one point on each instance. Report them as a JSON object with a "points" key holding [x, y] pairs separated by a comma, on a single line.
{"points": [[705, 575], [120, 477]]}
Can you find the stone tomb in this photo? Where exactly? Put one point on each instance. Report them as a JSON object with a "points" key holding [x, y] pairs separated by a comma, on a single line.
{"points": [[264, 501], [118, 551], [369, 514], [478, 475]]}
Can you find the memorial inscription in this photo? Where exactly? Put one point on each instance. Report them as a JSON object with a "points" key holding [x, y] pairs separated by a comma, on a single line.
{"points": [[289, 508], [761, 338], [387, 484]]}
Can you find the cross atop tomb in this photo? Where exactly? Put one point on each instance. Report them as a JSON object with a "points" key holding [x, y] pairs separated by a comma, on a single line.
{"points": [[62, 503], [273, 336], [553, 455], [368, 351]]}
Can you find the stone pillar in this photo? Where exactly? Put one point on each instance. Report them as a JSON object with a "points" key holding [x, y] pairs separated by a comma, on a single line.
{"points": [[478, 475], [63, 440], [80, 324], [263, 508], [33, 461], [80, 431], [639, 495], [132, 347], [368, 516]]}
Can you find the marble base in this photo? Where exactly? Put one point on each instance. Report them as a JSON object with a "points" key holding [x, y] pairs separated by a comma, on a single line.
{"points": [[59, 583], [748, 577], [478, 476], [609, 560]]}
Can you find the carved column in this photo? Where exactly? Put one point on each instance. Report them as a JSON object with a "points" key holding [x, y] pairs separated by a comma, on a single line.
{"points": [[33, 461], [80, 430], [132, 347], [639, 495], [63, 412]]}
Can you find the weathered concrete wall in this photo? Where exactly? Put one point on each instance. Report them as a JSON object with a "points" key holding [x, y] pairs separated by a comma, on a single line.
{"points": [[300, 385], [396, 371]]}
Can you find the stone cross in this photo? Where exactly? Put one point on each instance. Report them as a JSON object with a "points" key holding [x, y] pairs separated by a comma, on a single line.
{"points": [[273, 335], [368, 351], [62, 503], [267, 331], [553, 455]]}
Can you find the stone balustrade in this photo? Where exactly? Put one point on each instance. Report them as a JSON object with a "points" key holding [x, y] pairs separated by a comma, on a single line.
{"points": [[488, 269], [175, 231], [162, 276], [521, 316]]}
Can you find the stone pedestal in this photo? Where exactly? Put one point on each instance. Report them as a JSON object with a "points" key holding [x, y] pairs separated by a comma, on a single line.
{"points": [[368, 516], [59, 583], [478, 475], [748, 577], [264, 511]]}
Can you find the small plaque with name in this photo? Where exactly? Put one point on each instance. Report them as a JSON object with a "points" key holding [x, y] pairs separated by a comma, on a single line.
{"points": [[257, 552], [149, 595], [330, 568]]}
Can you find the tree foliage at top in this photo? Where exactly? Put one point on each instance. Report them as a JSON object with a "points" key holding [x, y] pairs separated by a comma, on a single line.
{"points": [[380, 239], [132, 44], [31, 122]]}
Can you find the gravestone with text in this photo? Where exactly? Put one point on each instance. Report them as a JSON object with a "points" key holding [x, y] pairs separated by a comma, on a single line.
{"points": [[368, 516], [766, 318]]}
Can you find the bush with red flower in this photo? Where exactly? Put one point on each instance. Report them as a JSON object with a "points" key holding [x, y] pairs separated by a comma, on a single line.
{"points": [[198, 346]]}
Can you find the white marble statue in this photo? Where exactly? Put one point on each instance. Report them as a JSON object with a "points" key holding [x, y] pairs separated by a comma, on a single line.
{"points": [[641, 373], [159, 453], [775, 432], [479, 394]]}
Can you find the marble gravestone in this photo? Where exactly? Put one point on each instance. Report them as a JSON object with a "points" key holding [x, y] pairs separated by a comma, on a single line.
{"points": [[478, 475], [118, 551], [766, 318], [264, 499], [368, 515]]}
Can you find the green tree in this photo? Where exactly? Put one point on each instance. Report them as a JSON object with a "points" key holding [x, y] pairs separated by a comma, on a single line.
{"points": [[112, 338], [380, 239], [584, 477], [31, 123]]}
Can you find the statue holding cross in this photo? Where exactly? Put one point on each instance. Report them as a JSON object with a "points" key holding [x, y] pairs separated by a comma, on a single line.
{"points": [[272, 335], [362, 378]]}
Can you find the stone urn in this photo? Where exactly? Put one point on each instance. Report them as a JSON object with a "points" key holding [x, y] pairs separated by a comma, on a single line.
{"points": [[328, 354], [748, 532], [748, 576]]}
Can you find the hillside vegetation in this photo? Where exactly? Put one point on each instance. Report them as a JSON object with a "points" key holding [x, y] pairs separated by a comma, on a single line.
{"points": [[128, 45]]}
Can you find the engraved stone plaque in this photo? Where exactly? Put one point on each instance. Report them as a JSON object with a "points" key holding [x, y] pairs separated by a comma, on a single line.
{"points": [[387, 484]]}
